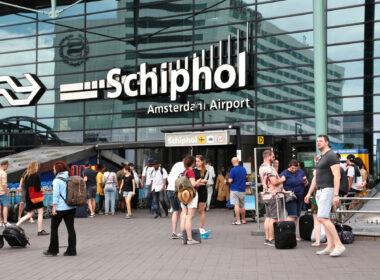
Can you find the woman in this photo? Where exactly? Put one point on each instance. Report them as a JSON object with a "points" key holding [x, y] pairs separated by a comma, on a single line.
{"points": [[222, 186], [296, 182], [201, 174], [128, 188], [188, 210], [61, 211], [363, 171], [22, 190], [32, 179], [110, 188]]}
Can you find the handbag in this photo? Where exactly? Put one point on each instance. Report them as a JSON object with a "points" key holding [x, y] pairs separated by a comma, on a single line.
{"points": [[290, 196], [35, 197], [345, 233]]}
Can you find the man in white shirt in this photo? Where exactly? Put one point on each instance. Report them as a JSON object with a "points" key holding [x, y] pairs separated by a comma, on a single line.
{"points": [[175, 172], [158, 182], [146, 181], [210, 183]]}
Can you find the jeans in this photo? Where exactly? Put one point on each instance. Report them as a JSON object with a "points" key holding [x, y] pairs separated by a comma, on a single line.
{"points": [[159, 197], [173, 200], [209, 195], [68, 217], [110, 195]]}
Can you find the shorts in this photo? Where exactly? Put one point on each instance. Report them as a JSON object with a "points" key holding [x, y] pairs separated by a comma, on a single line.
{"points": [[324, 199], [192, 204], [91, 192], [173, 200], [4, 200], [202, 194], [237, 198], [271, 208], [127, 193], [294, 207], [23, 196]]}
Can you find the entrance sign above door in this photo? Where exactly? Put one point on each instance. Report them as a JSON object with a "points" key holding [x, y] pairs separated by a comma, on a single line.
{"points": [[203, 138]]}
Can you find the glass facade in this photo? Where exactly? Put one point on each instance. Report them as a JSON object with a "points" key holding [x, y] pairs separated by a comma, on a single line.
{"points": [[89, 39]]}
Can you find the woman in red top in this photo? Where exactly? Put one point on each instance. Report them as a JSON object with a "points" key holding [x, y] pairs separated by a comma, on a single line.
{"points": [[189, 210]]}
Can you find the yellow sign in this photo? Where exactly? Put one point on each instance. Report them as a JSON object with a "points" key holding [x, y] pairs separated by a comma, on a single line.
{"points": [[201, 139], [260, 140]]}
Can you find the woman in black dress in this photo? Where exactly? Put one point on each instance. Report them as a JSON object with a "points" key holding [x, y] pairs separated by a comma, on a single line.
{"points": [[201, 173], [32, 178]]}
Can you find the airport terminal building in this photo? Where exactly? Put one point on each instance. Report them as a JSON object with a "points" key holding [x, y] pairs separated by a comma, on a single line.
{"points": [[119, 74]]}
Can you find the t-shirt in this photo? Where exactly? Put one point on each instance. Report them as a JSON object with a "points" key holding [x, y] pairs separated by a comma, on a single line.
{"points": [[99, 180], [269, 190], [91, 177], [175, 172], [3, 181], [158, 179], [128, 185], [294, 181], [239, 176], [358, 179], [211, 177], [189, 174], [147, 173], [324, 176], [110, 178]]}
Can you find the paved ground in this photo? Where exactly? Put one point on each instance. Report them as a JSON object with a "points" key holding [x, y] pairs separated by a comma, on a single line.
{"points": [[140, 248]]}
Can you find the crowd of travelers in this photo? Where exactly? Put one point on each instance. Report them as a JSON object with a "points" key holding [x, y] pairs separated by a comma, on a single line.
{"points": [[120, 189]]}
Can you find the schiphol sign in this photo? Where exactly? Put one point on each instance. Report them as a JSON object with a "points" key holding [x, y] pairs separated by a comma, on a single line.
{"points": [[206, 138]]}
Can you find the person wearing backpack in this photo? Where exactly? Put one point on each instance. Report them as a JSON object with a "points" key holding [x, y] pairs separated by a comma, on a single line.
{"points": [[355, 179], [159, 178], [33, 183], [61, 211], [363, 171]]}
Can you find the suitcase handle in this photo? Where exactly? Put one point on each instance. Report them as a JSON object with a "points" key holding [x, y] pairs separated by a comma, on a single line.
{"points": [[278, 211]]}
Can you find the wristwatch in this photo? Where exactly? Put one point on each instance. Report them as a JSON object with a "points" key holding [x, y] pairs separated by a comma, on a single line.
{"points": [[335, 195]]}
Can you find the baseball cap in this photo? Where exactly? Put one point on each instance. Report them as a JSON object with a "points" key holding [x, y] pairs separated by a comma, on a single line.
{"points": [[150, 160]]}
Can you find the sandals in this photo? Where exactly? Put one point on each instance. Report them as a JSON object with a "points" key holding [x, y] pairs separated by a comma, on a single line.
{"points": [[315, 244], [235, 223]]}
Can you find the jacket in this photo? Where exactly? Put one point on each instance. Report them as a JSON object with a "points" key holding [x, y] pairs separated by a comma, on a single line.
{"points": [[59, 191], [222, 187]]}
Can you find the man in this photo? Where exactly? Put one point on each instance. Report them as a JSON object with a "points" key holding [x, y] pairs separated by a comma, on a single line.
{"points": [[4, 193], [210, 184], [355, 179], [327, 182], [100, 188], [237, 180], [135, 198], [89, 176], [272, 184], [158, 182], [119, 177], [146, 180], [175, 172]]}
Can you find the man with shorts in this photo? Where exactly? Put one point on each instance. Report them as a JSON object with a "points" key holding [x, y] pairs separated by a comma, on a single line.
{"points": [[327, 182], [175, 172], [272, 184], [89, 176], [237, 180], [4, 193]]}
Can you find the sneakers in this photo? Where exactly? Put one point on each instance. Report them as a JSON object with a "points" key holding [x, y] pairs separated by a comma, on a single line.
{"points": [[128, 216], [207, 209], [171, 210], [47, 253], [92, 215], [324, 252], [269, 242], [179, 235], [101, 213], [202, 231], [31, 221], [157, 217], [6, 224], [43, 232], [338, 252], [192, 242], [175, 236]]}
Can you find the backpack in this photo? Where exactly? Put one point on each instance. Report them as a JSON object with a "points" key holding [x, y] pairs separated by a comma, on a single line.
{"points": [[182, 182], [357, 172], [76, 194], [371, 183], [343, 188]]}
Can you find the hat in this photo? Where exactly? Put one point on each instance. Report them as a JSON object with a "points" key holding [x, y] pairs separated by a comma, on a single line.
{"points": [[131, 164], [155, 162], [150, 160], [185, 195]]}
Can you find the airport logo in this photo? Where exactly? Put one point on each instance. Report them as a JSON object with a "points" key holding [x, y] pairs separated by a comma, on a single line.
{"points": [[34, 90], [210, 70]]}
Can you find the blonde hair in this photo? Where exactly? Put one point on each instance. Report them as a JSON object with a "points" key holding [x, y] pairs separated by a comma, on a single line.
{"points": [[32, 168]]}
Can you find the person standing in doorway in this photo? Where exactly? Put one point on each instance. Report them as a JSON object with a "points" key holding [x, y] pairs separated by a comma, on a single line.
{"points": [[222, 186], [237, 180], [146, 181], [327, 182], [210, 184], [159, 178], [89, 177], [4, 193]]}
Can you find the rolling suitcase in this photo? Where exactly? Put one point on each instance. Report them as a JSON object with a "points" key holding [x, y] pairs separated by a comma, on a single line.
{"points": [[284, 231], [196, 235], [15, 236], [306, 226], [13, 207]]}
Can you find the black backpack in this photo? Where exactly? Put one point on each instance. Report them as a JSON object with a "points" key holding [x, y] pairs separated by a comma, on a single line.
{"points": [[370, 182], [343, 189]]}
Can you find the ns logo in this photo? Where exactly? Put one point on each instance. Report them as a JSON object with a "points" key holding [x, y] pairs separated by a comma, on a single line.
{"points": [[73, 49]]}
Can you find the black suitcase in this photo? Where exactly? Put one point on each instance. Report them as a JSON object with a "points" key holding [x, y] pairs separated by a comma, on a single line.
{"points": [[306, 225], [195, 234], [15, 236], [13, 208], [284, 232], [81, 211]]}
